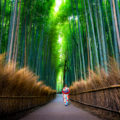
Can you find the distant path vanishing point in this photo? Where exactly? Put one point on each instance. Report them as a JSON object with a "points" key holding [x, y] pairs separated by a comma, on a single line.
{"points": [[55, 110]]}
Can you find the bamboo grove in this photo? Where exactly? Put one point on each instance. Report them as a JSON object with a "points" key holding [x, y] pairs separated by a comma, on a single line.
{"points": [[60, 40], [96, 36], [24, 38]]}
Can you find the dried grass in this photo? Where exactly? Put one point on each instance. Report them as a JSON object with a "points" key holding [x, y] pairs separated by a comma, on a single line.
{"points": [[108, 98], [21, 82]]}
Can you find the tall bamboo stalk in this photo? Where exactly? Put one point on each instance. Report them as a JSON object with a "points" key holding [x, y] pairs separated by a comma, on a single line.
{"points": [[80, 40], [98, 36], [109, 31], [16, 35], [116, 25], [114, 33], [12, 34], [103, 38], [89, 39], [76, 40], [3, 15], [94, 38], [118, 13]]}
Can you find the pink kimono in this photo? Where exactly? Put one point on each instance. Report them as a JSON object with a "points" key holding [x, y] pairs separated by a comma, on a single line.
{"points": [[65, 92]]}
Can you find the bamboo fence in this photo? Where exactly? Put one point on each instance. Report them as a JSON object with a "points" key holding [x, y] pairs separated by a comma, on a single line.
{"points": [[107, 98], [14, 104]]}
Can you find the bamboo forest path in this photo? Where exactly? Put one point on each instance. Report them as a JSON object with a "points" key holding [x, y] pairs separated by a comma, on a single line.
{"points": [[56, 110]]}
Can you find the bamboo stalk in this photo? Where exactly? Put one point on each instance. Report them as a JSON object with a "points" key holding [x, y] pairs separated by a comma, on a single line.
{"points": [[11, 41], [116, 24]]}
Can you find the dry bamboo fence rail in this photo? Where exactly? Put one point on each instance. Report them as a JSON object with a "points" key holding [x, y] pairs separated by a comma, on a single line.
{"points": [[107, 98], [14, 104]]}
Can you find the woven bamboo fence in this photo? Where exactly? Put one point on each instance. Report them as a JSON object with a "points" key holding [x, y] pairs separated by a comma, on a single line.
{"points": [[14, 104], [107, 98]]}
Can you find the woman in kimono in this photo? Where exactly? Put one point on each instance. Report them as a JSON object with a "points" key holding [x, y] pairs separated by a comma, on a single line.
{"points": [[65, 93]]}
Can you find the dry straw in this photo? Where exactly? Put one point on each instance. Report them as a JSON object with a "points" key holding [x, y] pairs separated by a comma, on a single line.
{"points": [[89, 92], [22, 82]]}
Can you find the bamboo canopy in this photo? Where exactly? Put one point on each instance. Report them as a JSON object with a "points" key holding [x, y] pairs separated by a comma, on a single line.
{"points": [[60, 40]]}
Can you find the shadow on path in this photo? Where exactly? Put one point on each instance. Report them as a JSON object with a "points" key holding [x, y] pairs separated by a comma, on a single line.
{"points": [[56, 110]]}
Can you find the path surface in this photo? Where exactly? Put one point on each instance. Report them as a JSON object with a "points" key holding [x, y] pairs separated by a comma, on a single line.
{"points": [[56, 110]]}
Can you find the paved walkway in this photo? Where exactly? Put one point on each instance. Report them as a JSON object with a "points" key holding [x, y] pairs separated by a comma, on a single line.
{"points": [[56, 110]]}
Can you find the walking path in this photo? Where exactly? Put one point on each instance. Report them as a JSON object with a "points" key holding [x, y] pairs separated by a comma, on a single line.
{"points": [[56, 110]]}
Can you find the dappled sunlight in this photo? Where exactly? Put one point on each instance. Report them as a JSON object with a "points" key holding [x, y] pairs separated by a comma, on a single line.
{"points": [[72, 18], [57, 5], [60, 40]]}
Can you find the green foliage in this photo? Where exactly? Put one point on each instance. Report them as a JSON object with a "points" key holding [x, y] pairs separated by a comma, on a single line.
{"points": [[53, 36]]}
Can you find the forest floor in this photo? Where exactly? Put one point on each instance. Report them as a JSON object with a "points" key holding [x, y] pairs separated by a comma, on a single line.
{"points": [[56, 110]]}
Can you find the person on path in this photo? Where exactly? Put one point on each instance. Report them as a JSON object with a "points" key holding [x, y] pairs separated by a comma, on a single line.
{"points": [[65, 93]]}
